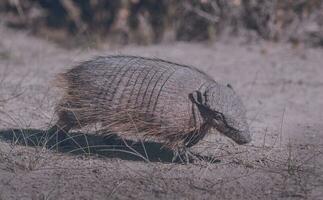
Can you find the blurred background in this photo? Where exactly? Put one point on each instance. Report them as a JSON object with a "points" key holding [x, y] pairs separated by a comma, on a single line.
{"points": [[73, 22]]}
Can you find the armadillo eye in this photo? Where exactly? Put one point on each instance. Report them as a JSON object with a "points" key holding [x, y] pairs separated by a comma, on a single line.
{"points": [[218, 116]]}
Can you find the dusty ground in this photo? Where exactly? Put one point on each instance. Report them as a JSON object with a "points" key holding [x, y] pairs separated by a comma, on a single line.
{"points": [[281, 86]]}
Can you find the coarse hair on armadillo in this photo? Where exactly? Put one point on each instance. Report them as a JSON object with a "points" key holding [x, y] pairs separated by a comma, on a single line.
{"points": [[134, 96]]}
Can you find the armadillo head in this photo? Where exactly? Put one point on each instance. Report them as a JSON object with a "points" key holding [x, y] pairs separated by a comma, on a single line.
{"points": [[223, 109]]}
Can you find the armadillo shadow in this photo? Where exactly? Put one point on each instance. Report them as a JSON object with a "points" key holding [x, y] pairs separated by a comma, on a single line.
{"points": [[81, 143]]}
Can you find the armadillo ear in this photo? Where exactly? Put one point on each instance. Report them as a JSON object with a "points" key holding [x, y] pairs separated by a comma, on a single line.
{"points": [[197, 98], [229, 86]]}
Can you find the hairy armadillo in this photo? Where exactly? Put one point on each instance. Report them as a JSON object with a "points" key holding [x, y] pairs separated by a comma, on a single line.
{"points": [[150, 98]]}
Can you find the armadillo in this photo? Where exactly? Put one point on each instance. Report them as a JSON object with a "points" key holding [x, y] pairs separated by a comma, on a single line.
{"points": [[149, 98]]}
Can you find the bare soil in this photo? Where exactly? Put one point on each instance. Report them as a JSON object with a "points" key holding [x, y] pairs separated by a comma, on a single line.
{"points": [[281, 85]]}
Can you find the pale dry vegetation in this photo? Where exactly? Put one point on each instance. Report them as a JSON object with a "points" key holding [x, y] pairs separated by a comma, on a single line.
{"points": [[153, 21]]}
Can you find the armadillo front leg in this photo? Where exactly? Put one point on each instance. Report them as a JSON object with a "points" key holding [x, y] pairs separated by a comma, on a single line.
{"points": [[191, 139], [184, 155]]}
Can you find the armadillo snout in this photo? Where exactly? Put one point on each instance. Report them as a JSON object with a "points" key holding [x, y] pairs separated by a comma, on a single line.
{"points": [[240, 137]]}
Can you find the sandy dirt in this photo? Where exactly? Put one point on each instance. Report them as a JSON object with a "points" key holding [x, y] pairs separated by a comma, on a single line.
{"points": [[281, 85]]}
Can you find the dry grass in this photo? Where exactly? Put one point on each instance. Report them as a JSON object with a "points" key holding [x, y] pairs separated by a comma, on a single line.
{"points": [[296, 172], [275, 166]]}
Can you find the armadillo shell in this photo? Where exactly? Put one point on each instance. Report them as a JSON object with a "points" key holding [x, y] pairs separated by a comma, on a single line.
{"points": [[134, 96]]}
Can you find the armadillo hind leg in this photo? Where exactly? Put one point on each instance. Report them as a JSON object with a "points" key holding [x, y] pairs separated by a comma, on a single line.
{"points": [[57, 134]]}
